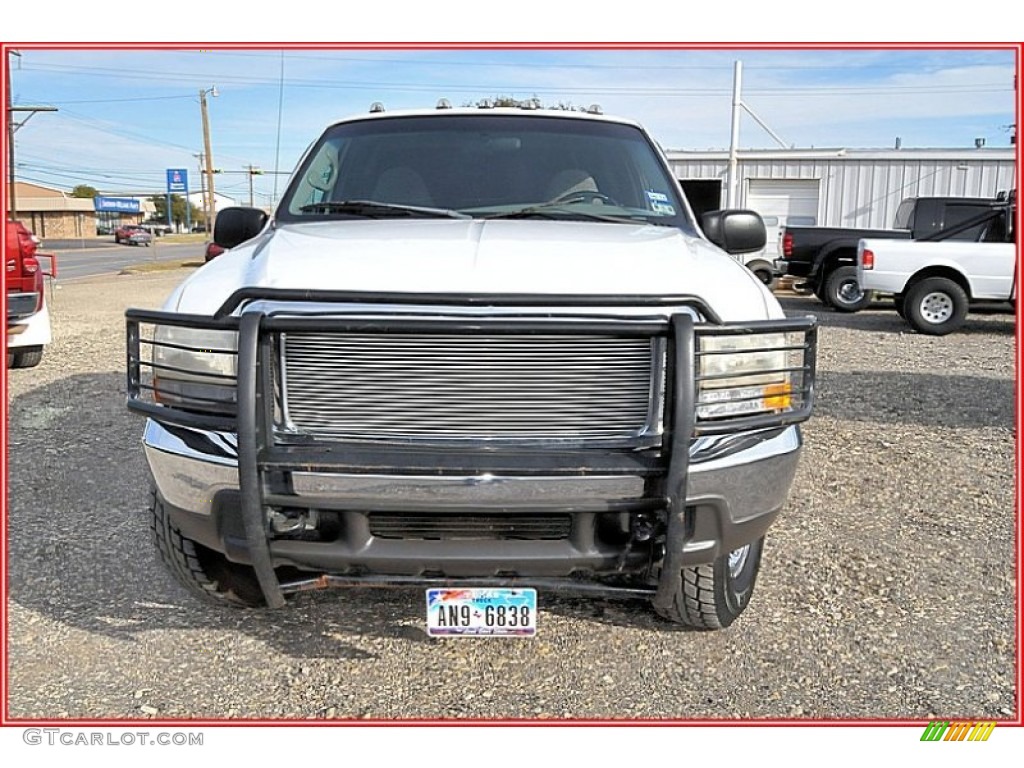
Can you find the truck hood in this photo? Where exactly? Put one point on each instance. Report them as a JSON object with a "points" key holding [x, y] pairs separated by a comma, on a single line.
{"points": [[475, 256]]}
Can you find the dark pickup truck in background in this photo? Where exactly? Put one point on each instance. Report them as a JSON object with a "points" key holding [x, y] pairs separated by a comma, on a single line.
{"points": [[825, 258]]}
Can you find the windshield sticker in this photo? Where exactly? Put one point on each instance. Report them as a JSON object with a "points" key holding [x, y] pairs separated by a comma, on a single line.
{"points": [[659, 203]]}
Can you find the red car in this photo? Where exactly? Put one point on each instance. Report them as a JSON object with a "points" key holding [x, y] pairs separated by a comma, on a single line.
{"points": [[133, 234], [28, 319]]}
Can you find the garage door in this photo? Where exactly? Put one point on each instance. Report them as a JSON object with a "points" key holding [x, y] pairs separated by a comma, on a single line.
{"points": [[781, 202]]}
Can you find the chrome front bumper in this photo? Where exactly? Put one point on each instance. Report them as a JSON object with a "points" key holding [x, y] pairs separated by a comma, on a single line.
{"points": [[736, 484]]}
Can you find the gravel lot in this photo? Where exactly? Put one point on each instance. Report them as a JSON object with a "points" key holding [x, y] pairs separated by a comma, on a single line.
{"points": [[887, 590]]}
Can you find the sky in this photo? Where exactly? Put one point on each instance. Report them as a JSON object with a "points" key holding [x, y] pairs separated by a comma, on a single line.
{"points": [[124, 116]]}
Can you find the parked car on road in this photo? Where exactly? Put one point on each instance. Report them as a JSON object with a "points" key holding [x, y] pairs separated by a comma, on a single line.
{"points": [[132, 234]]}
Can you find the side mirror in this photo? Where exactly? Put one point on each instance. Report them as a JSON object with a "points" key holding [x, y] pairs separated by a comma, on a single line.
{"points": [[735, 231], [236, 225]]}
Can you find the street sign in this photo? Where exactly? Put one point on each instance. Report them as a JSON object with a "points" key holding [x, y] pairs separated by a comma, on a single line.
{"points": [[117, 204], [177, 180]]}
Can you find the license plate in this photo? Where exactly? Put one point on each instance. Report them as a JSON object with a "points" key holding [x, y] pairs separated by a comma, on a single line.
{"points": [[482, 612]]}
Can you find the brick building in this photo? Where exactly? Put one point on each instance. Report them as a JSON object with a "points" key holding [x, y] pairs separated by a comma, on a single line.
{"points": [[50, 212], [55, 214]]}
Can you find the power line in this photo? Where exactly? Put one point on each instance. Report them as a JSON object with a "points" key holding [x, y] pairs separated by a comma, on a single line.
{"points": [[104, 126], [724, 66], [112, 101], [475, 88], [79, 173]]}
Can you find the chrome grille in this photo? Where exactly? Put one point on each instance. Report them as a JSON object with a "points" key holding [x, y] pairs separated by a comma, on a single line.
{"points": [[430, 386]]}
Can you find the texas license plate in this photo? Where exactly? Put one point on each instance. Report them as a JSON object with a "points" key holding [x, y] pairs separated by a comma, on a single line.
{"points": [[482, 612]]}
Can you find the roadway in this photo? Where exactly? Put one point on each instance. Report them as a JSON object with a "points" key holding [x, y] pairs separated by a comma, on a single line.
{"points": [[78, 263]]}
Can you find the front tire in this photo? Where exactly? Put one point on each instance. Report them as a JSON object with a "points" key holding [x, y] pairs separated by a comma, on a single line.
{"points": [[843, 292], [713, 596], [206, 574], [936, 306]]}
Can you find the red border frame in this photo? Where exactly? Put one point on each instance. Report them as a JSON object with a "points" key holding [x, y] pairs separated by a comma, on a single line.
{"points": [[6, 720]]}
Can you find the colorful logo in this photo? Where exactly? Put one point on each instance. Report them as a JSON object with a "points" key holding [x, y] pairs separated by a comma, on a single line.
{"points": [[965, 730]]}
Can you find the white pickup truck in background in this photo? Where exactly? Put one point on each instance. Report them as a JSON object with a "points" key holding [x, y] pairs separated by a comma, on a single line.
{"points": [[933, 282]]}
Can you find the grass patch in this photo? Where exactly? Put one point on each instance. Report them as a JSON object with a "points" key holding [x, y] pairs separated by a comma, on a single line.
{"points": [[160, 266]]}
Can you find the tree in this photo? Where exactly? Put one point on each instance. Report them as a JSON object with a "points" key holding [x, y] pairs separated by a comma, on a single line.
{"points": [[84, 190], [178, 208]]}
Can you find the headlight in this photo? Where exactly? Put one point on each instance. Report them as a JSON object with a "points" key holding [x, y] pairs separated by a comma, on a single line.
{"points": [[195, 368], [748, 374]]}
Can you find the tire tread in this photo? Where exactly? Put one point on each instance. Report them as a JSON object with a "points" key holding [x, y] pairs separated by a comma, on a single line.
{"points": [[706, 597], [26, 358], [182, 558], [694, 603]]}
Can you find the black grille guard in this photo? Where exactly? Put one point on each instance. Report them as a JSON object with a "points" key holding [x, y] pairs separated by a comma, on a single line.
{"points": [[258, 454]]}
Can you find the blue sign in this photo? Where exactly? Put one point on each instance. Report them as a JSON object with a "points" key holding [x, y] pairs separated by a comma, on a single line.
{"points": [[177, 180], [117, 204]]}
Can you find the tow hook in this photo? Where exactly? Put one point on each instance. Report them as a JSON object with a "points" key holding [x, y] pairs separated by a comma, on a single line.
{"points": [[642, 528]]}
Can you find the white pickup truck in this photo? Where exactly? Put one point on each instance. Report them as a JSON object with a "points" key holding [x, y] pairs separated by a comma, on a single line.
{"points": [[479, 349], [933, 282]]}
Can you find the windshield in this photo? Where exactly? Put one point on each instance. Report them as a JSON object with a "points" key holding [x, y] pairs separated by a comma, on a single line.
{"points": [[485, 166]]}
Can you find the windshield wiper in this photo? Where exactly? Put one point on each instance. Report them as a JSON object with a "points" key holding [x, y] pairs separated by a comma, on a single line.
{"points": [[561, 211], [372, 209]]}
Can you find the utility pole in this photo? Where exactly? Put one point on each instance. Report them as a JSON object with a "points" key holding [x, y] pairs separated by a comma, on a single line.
{"points": [[734, 139], [253, 171], [734, 135], [211, 213], [12, 128], [10, 138], [202, 190]]}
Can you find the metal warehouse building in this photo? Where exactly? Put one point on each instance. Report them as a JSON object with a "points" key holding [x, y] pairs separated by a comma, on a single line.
{"points": [[840, 187]]}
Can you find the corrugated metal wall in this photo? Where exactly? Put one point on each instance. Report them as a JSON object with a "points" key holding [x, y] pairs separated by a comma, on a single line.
{"points": [[864, 192]]}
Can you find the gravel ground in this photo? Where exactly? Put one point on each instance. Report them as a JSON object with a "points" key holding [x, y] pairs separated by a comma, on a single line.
{"points": [[887, 589]]}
